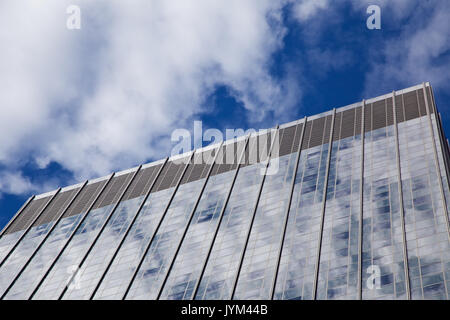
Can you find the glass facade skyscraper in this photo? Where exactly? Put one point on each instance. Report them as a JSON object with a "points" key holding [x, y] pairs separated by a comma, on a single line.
{"points": [[348, 204]]}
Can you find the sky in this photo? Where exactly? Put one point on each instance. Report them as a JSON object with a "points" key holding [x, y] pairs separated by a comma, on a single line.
{"points": [[81, 103]]}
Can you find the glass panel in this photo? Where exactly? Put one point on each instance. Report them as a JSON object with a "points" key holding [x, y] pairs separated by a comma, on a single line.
{"points": [[66, 266], [338, 271], [382, 231], [189, 261], [22, 253], [151, 274], [8, 241], [297, 265], [36, 269], [223, 262], [126, 261], [261, 256], [426, 229], [102, 252]]}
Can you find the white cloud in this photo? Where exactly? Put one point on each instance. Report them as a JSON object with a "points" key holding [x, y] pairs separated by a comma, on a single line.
{"points": [[418, 54], [15, 183], [304, 10], [398, 8], [108, 96], [416, 51]]}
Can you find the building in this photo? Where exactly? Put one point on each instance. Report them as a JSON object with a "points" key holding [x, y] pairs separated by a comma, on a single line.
{"points": [[357, 208]]}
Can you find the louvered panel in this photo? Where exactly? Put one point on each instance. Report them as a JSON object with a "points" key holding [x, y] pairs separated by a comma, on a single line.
{"points": [[222, 164], [327, 129], [389, 112], [317, 132], [421, 103], [250, 153], [257, 149], [410, 105], [298, 134], [189, 169], [368, 118], [337, 126], [199, 166], [85, 198], [430, 102], [28, 215], [265, 142], [288, 136], [142, 183], [286, 139], [348, 123], [379, 115], [206, 157], [114, 190], [358, 120], [228, 157], [54, 210], [171, 174], [307, 136], [399, 108]]}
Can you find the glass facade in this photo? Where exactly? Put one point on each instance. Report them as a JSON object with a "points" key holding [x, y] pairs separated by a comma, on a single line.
{"points": [[221, 268], [124, 265], [297, 263], [188, 263], [339, 255], [349, 204], [382, 221], [427, 237]]}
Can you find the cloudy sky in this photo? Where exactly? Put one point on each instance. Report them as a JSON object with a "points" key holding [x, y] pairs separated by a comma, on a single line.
{"points": [[79, 104]]}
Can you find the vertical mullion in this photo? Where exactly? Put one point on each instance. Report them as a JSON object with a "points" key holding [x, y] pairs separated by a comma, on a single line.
{"points": [[443, 140], [188, 224], [43, 241], [322, 220], [436, 161], [16, 215], [205, 262], [400, 192], [70, 237], [141, 260], [101, 229], [286, 215], [29, 228], [361, 201], [128, 230], [269, 156]]}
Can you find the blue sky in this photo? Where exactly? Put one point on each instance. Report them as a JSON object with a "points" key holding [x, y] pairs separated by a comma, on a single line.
{"points": [[78, 104]]}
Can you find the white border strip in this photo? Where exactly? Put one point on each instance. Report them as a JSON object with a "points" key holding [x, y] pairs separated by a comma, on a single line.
{"points": [[43, 195]]}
